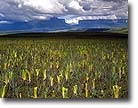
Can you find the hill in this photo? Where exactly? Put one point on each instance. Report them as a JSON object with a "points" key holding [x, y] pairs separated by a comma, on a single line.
{"points": [[66, 35]]}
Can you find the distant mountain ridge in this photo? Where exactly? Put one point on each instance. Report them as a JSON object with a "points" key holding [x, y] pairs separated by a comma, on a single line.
{"points": [[55, 24]]}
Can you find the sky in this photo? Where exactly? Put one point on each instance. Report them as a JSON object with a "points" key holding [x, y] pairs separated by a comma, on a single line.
{"points": [[72, 11]]}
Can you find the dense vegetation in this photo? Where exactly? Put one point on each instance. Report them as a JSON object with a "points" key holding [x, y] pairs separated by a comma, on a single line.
{"points": [[64, 68]]}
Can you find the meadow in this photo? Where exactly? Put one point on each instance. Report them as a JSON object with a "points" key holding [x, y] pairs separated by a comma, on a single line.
{"points": [[64, 68]]}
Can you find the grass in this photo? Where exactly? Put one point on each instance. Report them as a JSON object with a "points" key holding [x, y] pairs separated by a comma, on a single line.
{"points": [[123, 30], [63, 68]]}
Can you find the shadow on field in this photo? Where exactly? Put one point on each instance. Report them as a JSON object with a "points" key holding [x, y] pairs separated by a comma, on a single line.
{"points": [[67, 35]]}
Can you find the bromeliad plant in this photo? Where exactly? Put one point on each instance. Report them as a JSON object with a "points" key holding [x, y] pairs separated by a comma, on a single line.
{"points": [[44, 74], [93, 83], [75, 90], [59, 78], [116, 91], [3, 91], [86, 90], [64, 92], [35, 92], [37, 72], [5, 66], [26, 75], [51, 80], [66, 75]]}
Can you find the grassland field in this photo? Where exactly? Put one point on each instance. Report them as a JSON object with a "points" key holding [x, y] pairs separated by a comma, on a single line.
{"points": [[64, 67]]}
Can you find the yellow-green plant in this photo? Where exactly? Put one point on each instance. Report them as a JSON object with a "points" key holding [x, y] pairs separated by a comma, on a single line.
{"points": [[87, 77], [51, 80], [37, 72], [5, 66], [53, 93], [3, 91], [64, 92], [75, 89], [86, 89], [57, 64], [35, 92], [29, 75], [116, 91], [15, 54], [70, 67], [123, 70], [102, 93], [24, 75], [10, 74], [59, 77], [44, 74], [93, 83], [66, 75], [7, 78], [20, 95], [83, 63]]}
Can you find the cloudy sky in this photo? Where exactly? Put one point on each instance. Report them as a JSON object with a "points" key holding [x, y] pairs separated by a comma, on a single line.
{"points": [[70, 10]]}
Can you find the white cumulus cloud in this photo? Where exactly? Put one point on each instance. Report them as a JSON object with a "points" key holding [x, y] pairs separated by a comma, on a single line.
{"points": [[76, 20], [26, 10], [44, 6], [5, 22]]}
